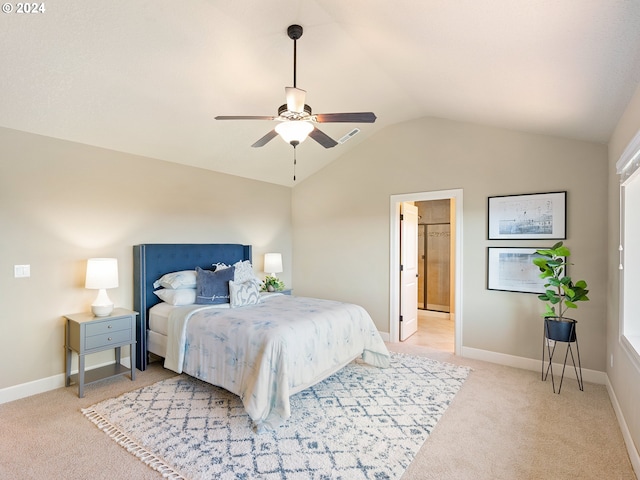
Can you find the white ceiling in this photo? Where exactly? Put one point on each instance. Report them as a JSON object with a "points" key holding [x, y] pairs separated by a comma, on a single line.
{"points": [[149, 76]]}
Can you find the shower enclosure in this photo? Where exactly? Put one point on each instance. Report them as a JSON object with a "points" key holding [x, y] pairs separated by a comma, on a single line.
{"points": [[434, 245]]}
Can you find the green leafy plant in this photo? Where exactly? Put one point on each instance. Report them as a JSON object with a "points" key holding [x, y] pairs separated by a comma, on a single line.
{"points": [[561, 291], [272, 284]]}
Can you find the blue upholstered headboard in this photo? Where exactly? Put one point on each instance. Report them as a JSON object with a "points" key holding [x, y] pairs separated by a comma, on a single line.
{"points": [[151, 261]]}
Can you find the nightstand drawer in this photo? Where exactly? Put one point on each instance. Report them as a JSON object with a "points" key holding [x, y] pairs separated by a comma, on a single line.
{"points": [[107, 326], [106, 339]]}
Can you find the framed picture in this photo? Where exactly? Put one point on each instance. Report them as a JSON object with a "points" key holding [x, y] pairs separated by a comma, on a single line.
{"points": [[528, 216], [511, 269]]}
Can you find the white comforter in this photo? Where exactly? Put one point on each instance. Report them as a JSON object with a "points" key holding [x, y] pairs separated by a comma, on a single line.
{"points": [[266, 352]]}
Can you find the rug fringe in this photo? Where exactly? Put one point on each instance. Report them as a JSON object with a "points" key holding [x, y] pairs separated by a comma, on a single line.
{"points": [[131, 446]]}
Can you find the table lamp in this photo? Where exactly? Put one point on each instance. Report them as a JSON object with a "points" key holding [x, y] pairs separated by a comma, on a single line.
{"points": [[273, 263], [102, 273]]}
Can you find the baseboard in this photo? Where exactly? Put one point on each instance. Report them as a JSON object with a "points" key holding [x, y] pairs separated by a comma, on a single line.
{"points": [[23, 390], [634, 456], [592, 376], [17, 392]]}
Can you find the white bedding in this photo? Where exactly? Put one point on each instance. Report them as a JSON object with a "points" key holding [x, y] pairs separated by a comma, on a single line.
{"points": [[159, 326], [159, 317], [266, 352]]}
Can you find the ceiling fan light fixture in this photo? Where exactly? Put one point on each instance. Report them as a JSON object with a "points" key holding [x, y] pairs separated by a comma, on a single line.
{"points": [[294, 130], [295, 99], [295, 119]]}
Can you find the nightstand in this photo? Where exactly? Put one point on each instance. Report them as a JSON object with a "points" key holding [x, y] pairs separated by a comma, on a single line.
{"points": [[86, 334]]}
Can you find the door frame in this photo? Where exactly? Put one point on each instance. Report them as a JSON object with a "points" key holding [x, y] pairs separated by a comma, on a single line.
{"points": [[394, 259]]}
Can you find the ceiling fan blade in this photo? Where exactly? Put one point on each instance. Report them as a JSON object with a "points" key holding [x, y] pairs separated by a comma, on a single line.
{"points": [[244, 117], [295, 99], [322, 138], [356, 117], [266, 139]]}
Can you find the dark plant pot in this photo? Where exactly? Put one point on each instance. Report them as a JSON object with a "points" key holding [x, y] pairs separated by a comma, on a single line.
{"points": [[560, 329]]}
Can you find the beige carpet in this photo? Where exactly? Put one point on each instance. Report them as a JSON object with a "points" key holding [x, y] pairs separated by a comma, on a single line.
{"points": [[503, 424]]}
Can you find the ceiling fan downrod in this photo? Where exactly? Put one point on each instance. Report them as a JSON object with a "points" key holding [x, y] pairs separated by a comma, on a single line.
{"points": [[294, 32]]}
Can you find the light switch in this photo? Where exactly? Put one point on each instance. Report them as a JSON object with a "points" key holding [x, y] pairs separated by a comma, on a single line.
{"points": [[21, 271]]}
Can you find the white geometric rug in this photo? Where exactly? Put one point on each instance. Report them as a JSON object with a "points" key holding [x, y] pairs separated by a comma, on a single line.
{"points": [[361, 423]]}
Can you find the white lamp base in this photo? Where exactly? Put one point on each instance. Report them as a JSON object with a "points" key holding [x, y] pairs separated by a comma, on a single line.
{"points": [[102, 306]]}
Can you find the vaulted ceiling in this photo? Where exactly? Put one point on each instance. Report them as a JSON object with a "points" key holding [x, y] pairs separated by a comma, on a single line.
{"points": [[148, 77]]}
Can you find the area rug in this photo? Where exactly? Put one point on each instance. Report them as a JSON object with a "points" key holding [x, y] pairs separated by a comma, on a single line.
{"points": [[361, 423]]}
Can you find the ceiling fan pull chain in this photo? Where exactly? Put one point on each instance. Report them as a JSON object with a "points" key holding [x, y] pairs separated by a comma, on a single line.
{"points": [[294, 163], [294, 144]]}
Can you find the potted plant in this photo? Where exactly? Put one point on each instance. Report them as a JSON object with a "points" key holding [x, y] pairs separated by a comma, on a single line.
{"points": [[561, 294], [272, 284]]}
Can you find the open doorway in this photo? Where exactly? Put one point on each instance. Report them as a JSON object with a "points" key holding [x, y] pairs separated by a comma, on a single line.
{"points": [[440, 310], [435, 323]]}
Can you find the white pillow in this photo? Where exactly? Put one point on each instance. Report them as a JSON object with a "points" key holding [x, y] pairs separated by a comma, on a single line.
{"points": [[243, 293], [175, 280], [181, 296], [244, 272]]}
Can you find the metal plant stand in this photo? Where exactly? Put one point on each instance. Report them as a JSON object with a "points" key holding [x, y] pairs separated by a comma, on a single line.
{"points": [[568, 338]]}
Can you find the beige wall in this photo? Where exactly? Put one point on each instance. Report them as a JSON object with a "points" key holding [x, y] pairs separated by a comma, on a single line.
{"points": [[63, 202], [342, 238], [623, 375]]}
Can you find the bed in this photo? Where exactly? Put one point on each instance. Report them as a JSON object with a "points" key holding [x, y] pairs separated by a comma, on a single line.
{"points": [[262, 347]]}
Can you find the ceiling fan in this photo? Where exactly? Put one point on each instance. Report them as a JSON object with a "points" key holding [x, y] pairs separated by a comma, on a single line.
{"points": [[296, 120]]}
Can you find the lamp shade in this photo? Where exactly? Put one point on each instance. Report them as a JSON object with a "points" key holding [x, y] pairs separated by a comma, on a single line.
{"points": [[102, 273], [294, 130], [295, 99], [273, 263]]}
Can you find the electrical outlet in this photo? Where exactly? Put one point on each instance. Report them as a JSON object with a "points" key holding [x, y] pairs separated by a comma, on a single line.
{"points": [[551, 343]]}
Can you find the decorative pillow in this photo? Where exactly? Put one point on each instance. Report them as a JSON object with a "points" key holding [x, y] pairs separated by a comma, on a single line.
{"points": [[175, 280], [213, 287], [244, 272], [182, 296], [219, 266], [245, 293]]}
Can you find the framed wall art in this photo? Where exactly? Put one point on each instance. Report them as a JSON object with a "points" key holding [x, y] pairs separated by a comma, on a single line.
{"points": [[528, 216], [511, 269]]}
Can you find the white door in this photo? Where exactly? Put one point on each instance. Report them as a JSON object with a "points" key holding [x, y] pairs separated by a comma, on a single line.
{"points": [[408, 270]]}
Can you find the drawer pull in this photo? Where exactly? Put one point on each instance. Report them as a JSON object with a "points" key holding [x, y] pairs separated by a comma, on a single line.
{"points": [[109, 326], [109, 339]]}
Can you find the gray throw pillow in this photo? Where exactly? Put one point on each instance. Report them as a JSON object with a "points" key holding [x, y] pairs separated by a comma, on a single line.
{"points": [[212, 288]]}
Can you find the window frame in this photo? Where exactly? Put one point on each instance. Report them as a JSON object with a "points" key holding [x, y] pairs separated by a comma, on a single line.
{"points": [[628, 167]]}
